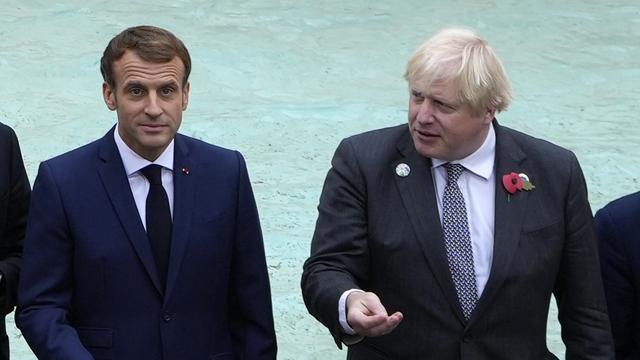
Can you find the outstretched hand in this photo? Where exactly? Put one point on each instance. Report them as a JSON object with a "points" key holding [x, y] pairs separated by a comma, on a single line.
{"points": [[367, 316]]}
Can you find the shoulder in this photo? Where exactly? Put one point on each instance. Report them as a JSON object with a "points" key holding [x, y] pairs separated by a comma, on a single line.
{"points": [[388, 136], [77, 157], [201, 147], [7, 141], [533, 146], [624, 209], [376, 145], [5, 130], [7, 135], [206, 153]]}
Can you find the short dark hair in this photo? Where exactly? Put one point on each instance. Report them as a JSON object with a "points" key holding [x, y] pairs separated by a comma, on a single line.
{"points": [[151, 43]]}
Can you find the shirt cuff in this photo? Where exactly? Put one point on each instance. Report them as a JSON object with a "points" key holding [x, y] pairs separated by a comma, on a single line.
{"points": [[342, 312]]}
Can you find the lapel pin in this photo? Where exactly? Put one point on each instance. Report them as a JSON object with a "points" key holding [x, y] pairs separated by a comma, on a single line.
{"points": [[185, 171], [403, 170], [514, 182]]}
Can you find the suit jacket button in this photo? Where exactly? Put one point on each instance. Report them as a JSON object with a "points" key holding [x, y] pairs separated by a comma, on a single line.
{"points": [[167, 317], [467, 339]]}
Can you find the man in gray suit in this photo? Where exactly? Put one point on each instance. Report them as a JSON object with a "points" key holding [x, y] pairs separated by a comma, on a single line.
{"points": [[446, 238]]}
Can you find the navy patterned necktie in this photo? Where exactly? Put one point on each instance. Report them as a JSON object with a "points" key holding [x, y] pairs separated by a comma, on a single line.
{"points": [[159, 223], [455, 226]]}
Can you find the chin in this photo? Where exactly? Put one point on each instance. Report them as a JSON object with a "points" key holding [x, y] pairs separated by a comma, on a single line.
{"points": [[426, 152]]}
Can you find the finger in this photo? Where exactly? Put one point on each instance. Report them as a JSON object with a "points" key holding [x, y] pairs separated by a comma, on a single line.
{"points": [[389, 325], [363, 322], [368, 302], [396, 317], [373, 305], [376, 325]]}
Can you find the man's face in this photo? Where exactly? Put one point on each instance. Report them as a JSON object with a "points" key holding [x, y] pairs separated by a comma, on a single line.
{"points": [[149, 99], [443, 128]]}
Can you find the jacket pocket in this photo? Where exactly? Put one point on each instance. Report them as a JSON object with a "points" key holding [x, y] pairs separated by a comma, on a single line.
{"points": [[96, 337]]}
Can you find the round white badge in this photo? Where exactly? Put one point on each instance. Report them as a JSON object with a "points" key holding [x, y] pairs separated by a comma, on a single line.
{"points": [[403, 170]]}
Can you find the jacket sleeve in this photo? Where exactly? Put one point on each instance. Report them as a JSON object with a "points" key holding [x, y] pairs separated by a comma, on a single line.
{"points": [[251, 314], [46, 281], [582, 310], [16, 204], [339, 258], [617, 276]]}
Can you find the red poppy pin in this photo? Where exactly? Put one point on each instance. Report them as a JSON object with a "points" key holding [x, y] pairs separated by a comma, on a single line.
{"points": [[516, 182]]}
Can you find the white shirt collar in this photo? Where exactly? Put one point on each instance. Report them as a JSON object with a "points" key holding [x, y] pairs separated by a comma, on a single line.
{"points": [[481, 161], [133, 162]]}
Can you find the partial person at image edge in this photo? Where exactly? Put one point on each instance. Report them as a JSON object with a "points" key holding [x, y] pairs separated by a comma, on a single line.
{"points": [[446, 238], [618, 226], [14, 205], [146, 243]]}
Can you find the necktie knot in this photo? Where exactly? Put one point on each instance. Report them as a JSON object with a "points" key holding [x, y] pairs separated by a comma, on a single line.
{"points": [[153, 173], [453, 172]]}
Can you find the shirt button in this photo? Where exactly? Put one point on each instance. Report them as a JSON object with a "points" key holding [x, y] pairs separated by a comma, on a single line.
{"points": [[167, 317]]}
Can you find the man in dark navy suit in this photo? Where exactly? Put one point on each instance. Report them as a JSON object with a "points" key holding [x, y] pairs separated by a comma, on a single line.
{"points": [[14, 205], [145, 244], [618, 226]]}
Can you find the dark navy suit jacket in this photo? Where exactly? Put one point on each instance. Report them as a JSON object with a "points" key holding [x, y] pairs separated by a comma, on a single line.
{"points": [[14, 204], [618, 227], [89, 287]]}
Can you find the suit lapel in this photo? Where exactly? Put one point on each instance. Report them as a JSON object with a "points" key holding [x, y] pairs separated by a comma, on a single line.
{"points": [[419, 198], [509, 215], [185, 174], [116, 184]]}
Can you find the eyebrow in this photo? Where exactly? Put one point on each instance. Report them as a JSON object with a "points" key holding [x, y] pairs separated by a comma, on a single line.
{"points": [[439, 99], [136, 83]]}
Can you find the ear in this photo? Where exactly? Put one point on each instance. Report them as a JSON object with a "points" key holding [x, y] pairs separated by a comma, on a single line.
{"points": [[185, 96], [489, 115], [109, 96]]}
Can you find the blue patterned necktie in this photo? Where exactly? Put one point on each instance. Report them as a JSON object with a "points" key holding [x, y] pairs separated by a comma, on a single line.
{"points": [[455, 226]]}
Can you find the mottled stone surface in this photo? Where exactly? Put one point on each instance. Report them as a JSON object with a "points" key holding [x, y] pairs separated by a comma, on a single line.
{"points": [[284, 81]]}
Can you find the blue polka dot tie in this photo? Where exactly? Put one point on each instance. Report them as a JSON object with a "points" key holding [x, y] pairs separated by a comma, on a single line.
{"points": [[455, 226]]}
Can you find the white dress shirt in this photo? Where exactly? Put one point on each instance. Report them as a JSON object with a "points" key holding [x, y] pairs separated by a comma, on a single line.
{"points": [[139, 184], [479, 175]]}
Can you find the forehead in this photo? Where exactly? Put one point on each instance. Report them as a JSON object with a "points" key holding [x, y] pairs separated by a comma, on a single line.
{"points": [[446, 88], [131, 67]]}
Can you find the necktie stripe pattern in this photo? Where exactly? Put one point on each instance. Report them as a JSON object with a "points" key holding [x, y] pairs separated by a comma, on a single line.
{"points": [[455, 226], [159, 223]]}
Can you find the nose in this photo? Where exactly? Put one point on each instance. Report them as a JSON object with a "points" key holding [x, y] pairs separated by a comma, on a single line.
{"points": [[425, 113], [152, 108]]}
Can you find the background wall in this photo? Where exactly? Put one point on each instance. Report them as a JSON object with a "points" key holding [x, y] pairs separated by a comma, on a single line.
{"points": [[284, 81]]}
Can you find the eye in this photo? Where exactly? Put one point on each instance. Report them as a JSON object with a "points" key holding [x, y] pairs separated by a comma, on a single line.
{"points": [[136, 91], [417, 97], [445, 108], [167, 90]]}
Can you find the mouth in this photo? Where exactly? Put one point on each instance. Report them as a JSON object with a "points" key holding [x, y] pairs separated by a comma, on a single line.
{"points": [[152, 128], [425, 134]]}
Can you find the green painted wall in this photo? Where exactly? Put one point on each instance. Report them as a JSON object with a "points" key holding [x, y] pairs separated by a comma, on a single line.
{"points": [[284, 81]]}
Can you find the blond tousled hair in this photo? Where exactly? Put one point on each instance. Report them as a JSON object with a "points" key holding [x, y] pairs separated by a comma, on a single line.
{"points": [[461, 57]]}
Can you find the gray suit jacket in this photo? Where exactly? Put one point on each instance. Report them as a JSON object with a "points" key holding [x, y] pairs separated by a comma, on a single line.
{"points": [[382, 233]]}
